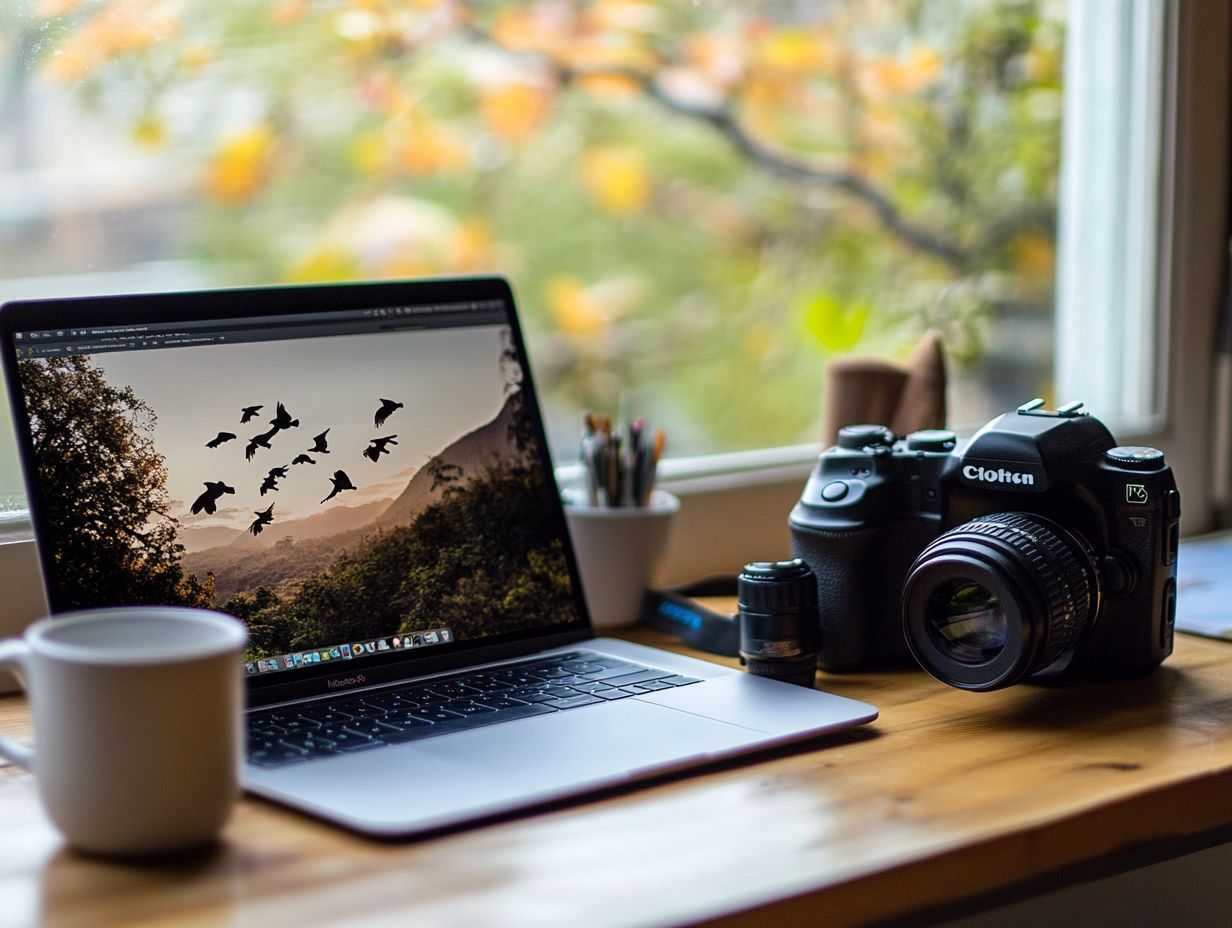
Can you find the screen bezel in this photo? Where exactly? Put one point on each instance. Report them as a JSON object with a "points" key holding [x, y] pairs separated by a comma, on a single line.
{"points": [[137, 309]]}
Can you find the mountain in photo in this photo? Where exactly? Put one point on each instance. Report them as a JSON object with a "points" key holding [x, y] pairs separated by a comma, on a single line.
{"points": [[299, 548]]}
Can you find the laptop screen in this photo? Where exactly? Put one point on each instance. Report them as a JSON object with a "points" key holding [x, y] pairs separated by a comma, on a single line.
{"points": [[353, 484]]}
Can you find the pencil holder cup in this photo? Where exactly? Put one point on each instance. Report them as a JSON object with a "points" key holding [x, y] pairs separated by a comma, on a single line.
{"points": [[619, 550]]}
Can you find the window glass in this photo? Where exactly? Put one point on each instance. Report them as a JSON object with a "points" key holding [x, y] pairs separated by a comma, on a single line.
{"points": [[698, 204]]}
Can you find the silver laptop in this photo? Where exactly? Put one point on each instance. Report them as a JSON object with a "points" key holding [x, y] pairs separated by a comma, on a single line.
{"points": [[360, 474]]}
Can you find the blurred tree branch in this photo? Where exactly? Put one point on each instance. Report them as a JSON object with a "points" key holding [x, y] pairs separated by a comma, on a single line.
{"points": [[722, 119]]}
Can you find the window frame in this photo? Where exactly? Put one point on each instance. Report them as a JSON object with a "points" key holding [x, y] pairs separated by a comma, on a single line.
{"points": [[735, 506]]}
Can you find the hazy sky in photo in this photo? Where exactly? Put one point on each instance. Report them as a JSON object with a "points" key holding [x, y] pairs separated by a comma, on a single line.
{"points": [[450, 380]]}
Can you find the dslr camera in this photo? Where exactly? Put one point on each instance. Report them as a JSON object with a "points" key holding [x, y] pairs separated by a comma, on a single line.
{"points": [[1037, 546]]}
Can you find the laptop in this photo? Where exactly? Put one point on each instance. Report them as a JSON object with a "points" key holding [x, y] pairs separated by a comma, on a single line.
{"points": [[360, 474]]}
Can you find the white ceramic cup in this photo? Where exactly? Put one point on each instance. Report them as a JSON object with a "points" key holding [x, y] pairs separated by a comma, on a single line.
{"points": [[618, 550], [137, 724]]}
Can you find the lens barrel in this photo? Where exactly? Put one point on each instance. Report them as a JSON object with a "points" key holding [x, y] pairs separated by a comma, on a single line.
{"points": [[997, 599], [780, 631]]}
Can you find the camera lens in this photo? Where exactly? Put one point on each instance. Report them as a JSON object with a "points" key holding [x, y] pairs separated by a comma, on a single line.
{"points": [[998, 599], [967, 622], [779, 627]]}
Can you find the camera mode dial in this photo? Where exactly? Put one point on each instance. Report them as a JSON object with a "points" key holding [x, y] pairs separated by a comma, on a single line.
{"points": [[855, 437], [1135, 457]]}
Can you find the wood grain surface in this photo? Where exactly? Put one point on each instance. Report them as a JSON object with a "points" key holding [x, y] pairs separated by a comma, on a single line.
{"points": [[947, 795]]}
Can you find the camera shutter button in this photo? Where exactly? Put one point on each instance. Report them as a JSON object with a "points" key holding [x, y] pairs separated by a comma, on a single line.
{"points": [[932, 440], [834, 491]]}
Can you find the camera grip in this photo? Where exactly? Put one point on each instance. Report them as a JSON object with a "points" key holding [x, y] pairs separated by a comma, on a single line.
{"points": [[859, 588]]}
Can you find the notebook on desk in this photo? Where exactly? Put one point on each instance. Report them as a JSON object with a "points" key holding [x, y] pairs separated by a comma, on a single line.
{"points": [[360, 474]]}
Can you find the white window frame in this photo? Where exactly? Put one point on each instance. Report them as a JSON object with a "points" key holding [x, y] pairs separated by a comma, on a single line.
{"points": [[735, 506]]}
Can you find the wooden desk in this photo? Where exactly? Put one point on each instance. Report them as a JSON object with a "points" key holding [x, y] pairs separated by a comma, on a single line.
{"points": [[947, 795]]}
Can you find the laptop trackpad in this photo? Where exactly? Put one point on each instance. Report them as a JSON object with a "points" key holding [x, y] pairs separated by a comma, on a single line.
{"points": [[454, 777]]}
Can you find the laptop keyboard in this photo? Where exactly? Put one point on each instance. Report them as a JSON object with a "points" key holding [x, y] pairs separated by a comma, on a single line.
{"points": [[292, 734]]}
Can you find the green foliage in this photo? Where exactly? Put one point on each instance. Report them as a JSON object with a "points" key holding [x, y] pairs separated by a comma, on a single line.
{"points": [[835, 326], [114, 541]]}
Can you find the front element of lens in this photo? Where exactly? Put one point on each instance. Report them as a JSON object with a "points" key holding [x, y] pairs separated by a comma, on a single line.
{"points": [[998, 599], [967, 622]]}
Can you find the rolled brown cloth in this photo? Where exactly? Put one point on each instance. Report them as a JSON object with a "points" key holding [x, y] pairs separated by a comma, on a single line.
{"points": [[907, 397]]}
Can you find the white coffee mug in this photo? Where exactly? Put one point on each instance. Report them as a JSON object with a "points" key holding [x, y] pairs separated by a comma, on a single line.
{"points": [[137, 717]]}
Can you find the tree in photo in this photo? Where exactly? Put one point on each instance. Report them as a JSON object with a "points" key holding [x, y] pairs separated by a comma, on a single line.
{"points": [[114, 540]]}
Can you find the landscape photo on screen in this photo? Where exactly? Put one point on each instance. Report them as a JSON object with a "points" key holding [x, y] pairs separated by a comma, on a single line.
{"points": [[326, 491]]}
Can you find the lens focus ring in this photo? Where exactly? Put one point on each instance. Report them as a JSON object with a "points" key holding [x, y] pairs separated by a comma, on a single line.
{"points": [[1064, 584], [1047, 565]]}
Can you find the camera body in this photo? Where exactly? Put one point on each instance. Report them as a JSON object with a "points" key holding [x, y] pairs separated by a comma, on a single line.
{"points": [[1038, 536]]}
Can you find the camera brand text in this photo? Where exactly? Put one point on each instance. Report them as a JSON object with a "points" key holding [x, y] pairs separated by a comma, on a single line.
{"points": [[1000, 475]]}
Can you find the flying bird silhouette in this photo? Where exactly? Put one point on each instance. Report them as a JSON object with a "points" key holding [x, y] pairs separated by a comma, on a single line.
{"points": [[379, 447], [386, 410], [272, 478], [250, 412], [219, 439], [319, 444], [303, 459], [262, 519], [209, 499], [341, 482], [282, 420], [262, 441]]}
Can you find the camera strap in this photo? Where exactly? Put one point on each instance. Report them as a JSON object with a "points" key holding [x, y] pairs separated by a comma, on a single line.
{"points": [[673, 610]]}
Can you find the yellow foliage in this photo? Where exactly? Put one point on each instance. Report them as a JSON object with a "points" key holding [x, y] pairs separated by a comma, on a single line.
{"points": [[544, 28], [126, 27], [288, 12], [720, 57], [514, 111], [324, 264], [241, 166], [765, 100], [797, 51], [1033, 255], [608, 86], [835, 325], [196, 57], [369, 153], [626, 16], [574, 310], [918, 69], [617, 179], [612, 50], [149, 131], [47, 9], [472, 246], [427, 148]]}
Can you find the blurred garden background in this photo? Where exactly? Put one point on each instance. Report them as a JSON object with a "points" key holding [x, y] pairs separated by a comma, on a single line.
{"points": [[698, 203]]}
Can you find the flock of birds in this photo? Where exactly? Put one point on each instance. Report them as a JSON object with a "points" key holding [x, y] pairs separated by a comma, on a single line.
{"points": [[207, 502]]}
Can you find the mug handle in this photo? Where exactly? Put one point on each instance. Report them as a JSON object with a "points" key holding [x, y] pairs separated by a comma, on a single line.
{"points": [[13, 653]]}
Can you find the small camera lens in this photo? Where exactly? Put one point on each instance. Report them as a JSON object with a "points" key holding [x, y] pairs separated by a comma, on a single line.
{"points": [[779, 627], [998, 599]]}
